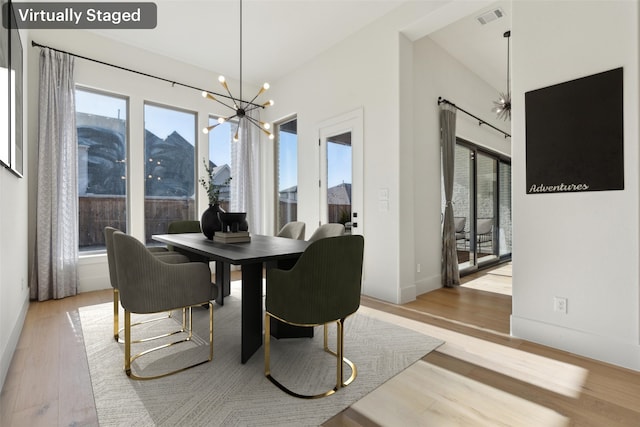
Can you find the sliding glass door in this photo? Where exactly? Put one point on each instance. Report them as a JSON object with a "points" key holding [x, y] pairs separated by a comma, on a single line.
{"points": [[481, 206]]}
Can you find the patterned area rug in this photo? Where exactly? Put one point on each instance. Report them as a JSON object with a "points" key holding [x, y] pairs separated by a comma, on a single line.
{"points": [[226, 392]]}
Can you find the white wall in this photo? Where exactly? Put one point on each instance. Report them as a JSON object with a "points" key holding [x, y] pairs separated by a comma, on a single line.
{"points": [[362, 71], [14, 294], [581, 246], [438, 74]]}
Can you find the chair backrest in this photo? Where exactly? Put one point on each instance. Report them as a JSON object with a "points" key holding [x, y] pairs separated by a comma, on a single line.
{"points": [[293, 230], [460, 222], [148, 284], [485, 226], [324, 285], [184, 226], [327, 230], [111, 261]]}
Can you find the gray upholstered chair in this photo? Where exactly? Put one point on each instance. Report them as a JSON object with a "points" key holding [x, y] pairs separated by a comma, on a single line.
{"points": [[293, 230], [168, 256], [148, 284], [327, 230], [323, 286], [484, 232]]}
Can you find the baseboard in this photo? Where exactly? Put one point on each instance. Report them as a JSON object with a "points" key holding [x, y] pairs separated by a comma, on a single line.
{"points": [[14, 337], [604, 349], [428, 284]]}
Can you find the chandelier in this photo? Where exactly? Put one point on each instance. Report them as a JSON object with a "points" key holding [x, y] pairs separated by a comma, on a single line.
{"points": [[502, 107], [241, 108]]}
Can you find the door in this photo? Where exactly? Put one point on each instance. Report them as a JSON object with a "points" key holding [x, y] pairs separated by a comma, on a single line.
{"points": [[481, 206], [340, 141]]}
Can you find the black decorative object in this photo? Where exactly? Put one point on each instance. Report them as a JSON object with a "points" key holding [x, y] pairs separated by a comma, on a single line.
{"points": [[575, 135], [233, 221], [502, 107], [209, 222]]}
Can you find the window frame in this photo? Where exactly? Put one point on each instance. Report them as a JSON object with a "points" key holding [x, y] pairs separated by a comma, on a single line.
{"points": [[276, 175]]}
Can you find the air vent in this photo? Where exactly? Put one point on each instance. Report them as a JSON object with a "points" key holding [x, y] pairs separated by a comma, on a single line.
{"points": [[491, 15]]}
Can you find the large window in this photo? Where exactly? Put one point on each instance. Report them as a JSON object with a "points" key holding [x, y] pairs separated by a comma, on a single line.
{"points": [[169, 147], [101, 121], [287, 172], [220, 149]]}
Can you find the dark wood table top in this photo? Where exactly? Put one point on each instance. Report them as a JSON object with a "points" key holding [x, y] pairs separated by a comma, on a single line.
{"points": [[259, 249]]}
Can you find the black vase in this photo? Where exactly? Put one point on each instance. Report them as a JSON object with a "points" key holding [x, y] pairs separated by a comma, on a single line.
{"points": [[209, 222]]}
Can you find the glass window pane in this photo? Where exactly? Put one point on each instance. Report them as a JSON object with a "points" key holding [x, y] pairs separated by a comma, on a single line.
{"points": [[339, 177], [463, 205], [287, 170], [101, 122], [169, 145], [220, 146], [505, 208], [487, 176]]}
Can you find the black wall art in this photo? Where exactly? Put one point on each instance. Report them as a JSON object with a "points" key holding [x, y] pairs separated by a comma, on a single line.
{"points": [[574, 135]]}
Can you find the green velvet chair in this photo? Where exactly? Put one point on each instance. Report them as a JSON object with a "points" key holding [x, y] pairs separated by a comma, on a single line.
{"points": [[148, 284], [167, 256], [323, 287]]}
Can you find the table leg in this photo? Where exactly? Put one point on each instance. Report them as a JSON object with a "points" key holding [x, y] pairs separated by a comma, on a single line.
{"points": [[252, 309], [223, 280]]}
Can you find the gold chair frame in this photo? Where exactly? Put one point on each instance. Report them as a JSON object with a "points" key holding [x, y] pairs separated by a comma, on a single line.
{"points": [[339, 354], [116, 322], [128, 359]]}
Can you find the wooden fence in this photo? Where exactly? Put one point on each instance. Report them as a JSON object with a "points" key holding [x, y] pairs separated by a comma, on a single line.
{"points": [[96, 212]]}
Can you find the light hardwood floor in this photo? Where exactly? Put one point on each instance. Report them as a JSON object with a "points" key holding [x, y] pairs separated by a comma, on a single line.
{"points": [[480, 376]]}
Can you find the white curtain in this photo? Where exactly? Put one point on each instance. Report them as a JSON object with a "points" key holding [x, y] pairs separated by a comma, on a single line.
{"points": [[56, 258], [245, 162]]}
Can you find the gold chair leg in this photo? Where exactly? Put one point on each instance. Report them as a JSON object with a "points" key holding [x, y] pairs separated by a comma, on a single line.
{"points": [[340, 339], [338, 354], [128, 359], [116, 322]]}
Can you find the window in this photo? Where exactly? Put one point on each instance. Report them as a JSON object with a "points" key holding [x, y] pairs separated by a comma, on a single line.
{"points": [[101, 121], [220, 147], [287, 172], [169, 147]]}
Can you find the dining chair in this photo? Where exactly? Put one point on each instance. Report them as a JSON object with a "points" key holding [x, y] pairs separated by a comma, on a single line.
{"points": [[327, 230], [167, 256], [323, 287], [293, 230], [148, 284]]}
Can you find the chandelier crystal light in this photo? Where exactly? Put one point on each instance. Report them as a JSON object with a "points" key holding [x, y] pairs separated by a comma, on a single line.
{"points": [[241, 108], [502, 107]]}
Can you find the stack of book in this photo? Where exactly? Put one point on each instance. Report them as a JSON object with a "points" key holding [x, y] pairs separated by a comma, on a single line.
{"points": [[229, 237]]}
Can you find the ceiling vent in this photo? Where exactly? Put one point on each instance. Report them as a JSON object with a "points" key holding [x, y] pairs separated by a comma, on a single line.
{"points": [[491, 15]]}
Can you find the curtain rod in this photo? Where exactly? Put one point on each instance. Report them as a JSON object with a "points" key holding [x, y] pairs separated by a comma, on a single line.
{"points": [[480, 121], [173, 83]]}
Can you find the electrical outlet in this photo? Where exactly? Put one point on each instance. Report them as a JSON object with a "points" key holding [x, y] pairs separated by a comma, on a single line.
{"points": [[418, 268], [22, 284], [560, 305]]}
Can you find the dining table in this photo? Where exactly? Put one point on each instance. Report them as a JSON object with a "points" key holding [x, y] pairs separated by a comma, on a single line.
{"points": [[253, 257]]}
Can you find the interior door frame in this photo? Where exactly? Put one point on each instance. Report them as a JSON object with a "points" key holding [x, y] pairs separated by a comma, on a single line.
{"points": [[352, 121]]}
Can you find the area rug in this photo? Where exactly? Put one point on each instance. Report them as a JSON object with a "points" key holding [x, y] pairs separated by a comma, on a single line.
{"points": [[225, 392]]}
